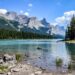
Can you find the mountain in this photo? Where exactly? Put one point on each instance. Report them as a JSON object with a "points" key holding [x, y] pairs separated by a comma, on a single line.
{"points": [[58, 31], [25, 23], [44, 22], [8, 24], [20, 22]]}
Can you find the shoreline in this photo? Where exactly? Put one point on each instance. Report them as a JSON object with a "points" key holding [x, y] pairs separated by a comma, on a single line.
{"points": [[69, 41], [28, 69], [25, 68]]}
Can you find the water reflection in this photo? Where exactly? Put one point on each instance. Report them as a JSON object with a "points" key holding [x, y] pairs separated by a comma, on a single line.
{"points": [[71, 49], [43, 57]]}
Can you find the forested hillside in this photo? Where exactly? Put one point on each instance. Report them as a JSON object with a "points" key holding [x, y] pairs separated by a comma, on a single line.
{"points": [[9, 34]]}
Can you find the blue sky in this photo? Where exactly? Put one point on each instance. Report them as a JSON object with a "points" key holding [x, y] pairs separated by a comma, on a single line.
{"points": [[50, 9]]}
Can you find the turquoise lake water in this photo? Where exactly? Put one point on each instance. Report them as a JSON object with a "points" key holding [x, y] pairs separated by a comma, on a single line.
{"points": [[43, 57]]}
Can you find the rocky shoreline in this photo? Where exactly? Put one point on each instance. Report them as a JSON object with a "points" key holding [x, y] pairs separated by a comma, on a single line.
{"points": [[27, 69], [10, 66]]}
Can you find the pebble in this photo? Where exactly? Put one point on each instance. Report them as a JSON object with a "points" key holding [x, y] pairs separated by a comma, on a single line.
{"points": [[38, 72], [69, 74], [32, 74], [15, 70], [9, 73]]}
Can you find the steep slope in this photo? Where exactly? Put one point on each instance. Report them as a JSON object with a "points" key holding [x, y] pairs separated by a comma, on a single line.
{"points": [[7, 24], [13, 21], [26, 24]]}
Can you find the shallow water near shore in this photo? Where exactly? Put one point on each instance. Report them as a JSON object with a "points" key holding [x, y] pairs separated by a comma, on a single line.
{"points": [[41, 53]]}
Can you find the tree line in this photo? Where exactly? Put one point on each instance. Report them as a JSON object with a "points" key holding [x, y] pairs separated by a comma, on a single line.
{"points": [[10, 34], [70, 31]]}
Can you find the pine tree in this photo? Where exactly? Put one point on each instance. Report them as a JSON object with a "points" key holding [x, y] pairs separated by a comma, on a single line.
{"points": [[70, 32]]}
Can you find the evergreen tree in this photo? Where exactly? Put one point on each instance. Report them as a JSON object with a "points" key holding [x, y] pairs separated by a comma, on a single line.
{"points": [[70, 32], [10, 34]]}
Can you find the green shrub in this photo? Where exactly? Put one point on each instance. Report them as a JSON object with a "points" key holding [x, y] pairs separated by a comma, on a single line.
{"points": [[18, 57], [3, 68], [59, 62]]}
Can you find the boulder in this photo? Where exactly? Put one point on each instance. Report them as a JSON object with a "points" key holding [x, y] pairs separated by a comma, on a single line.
{"points": [[15, 69], [1, 61], [8, 57]]}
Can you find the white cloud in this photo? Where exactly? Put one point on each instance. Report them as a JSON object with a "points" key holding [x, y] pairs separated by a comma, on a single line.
{"points": [[26, 13], [21, 11], [69, 14], [54, 23], [29, 7], [30, 4], [64, 19], [3, 11], [60, 19]]}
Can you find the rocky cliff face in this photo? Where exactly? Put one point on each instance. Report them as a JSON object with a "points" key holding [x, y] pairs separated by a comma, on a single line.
{"points": [[25, 23], [28, 24], [44, 22], [35, 23], [11, 15]]}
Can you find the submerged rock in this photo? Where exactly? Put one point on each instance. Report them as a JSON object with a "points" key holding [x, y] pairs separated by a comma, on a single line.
{"points": [[39, 48]]}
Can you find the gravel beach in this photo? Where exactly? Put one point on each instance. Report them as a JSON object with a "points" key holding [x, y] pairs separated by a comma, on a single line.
{"points": [[27, 69]]}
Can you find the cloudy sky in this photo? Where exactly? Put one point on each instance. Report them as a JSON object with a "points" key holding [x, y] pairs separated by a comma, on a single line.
{"points": [[55, 11]]}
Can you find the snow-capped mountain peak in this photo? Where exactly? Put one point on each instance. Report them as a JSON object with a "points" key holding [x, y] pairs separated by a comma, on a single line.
{"points": [[35, 23]]}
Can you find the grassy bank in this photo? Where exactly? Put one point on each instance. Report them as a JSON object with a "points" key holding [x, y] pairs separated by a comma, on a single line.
{"points": [[69, 41]]}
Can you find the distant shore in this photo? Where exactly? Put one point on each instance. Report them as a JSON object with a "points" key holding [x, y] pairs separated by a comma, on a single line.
{"points": [[69, 41]]}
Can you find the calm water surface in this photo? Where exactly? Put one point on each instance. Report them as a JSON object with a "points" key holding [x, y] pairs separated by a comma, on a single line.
{"points": [[43, 57]]}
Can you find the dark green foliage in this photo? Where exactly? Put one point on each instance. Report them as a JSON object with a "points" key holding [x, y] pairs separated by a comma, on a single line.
{"points": [[3, 67], [70, 67], [59, 62], [10, 34], [18, 57], [8, 24], [70, 32], [9, 30]]}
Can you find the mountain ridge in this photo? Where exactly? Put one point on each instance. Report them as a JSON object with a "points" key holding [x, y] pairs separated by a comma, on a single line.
{"points": [[20, 22]]}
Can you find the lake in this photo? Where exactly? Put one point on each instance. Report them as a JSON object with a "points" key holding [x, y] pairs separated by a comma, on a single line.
{"points": [[41, 53]]}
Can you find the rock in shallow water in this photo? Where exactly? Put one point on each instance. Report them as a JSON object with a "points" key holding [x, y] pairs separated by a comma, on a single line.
{"points": [[38, 72], [9, 73]]}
